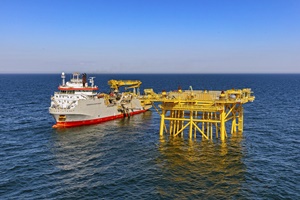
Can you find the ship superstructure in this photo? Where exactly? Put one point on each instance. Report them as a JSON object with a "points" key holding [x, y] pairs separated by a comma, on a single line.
{"points": [[77, 103]]}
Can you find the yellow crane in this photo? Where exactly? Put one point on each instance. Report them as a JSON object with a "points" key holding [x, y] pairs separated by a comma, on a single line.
{"points": [[116, 84]]}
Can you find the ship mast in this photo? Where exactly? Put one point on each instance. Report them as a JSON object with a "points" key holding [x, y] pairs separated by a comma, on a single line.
{"points": [[63, 78]]}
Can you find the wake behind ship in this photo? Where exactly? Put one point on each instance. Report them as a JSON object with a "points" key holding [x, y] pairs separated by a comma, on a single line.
{"points": [[77, 103]]}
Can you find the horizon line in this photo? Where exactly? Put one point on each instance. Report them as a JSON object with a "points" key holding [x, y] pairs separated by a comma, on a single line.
{"points": [[156, 73]]}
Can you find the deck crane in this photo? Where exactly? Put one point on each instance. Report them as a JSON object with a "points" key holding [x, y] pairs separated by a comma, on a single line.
{"points": [[116, 84]]}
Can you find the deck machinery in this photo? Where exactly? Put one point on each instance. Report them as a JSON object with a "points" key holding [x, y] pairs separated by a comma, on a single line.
{"points": [[200, 111]]}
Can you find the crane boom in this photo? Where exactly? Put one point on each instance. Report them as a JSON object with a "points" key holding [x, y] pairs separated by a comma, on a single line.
{"points": [[116, 84]]}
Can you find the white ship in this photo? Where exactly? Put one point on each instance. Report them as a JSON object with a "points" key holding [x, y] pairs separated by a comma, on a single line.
{"points": [[77, 103]]}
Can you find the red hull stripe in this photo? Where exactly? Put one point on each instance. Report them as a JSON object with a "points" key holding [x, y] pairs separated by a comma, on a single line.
{"points": [[93, 121], [81, 88]]}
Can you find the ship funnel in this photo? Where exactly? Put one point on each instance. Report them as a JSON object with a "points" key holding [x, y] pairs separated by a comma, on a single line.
{"points": [[84, 79]]}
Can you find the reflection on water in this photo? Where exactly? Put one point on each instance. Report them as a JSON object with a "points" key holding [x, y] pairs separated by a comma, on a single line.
{"points": [[133, 161], [104, 157], [75, 151], [201, 168], [86, 137]]}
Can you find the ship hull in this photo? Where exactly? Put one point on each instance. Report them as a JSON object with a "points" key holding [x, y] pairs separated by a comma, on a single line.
{"points": [[92, 111], [69, 124]]}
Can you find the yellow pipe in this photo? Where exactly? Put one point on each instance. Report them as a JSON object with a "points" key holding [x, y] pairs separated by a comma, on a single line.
{"points": [[241, 120], [162, 122], [182, 129], [191, 125], [222, 125], [200, 130]]}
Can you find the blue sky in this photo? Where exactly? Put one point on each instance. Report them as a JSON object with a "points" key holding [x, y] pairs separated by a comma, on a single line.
{"points": [[150, 36]]}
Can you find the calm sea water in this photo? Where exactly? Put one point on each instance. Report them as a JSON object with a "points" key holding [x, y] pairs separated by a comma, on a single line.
{"points": [[127, 159]]}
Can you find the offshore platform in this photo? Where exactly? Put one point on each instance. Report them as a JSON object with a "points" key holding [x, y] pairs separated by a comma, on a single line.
{"points": [[200, 112]]}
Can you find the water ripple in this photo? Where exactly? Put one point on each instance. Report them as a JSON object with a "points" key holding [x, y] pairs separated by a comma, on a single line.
{"points": [[127, 159]]}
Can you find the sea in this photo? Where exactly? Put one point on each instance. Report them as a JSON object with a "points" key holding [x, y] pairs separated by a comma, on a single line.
{"points": [[128, 159]]}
